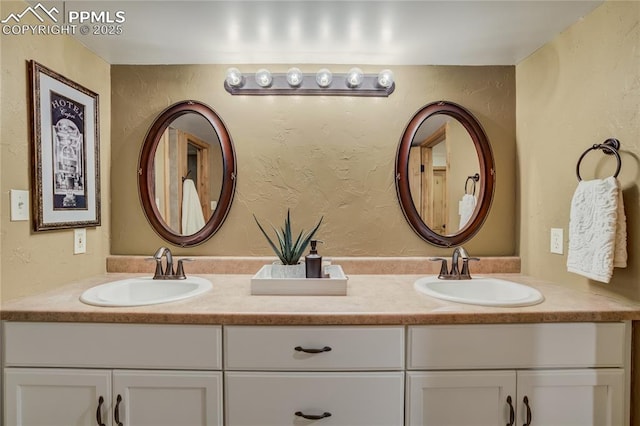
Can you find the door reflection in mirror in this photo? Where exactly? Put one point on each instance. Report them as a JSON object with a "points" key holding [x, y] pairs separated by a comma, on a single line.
{"points": [[441, 157], [188, 174]]}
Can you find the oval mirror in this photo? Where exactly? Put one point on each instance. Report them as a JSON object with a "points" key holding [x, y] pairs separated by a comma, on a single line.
{"points": [[445, 174], [187, 173]]}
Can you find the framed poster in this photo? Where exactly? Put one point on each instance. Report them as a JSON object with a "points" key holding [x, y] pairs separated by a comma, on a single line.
{"points": [[65, 184]]}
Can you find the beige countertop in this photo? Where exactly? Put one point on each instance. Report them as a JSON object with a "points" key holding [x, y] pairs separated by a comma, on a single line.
{"points": [[370, 299]]}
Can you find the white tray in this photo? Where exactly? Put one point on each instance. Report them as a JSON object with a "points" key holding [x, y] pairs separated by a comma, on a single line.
{"points": [[334, 285]]}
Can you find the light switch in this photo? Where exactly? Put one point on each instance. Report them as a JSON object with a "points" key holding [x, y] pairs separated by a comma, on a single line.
{"points": [[19, 205]]}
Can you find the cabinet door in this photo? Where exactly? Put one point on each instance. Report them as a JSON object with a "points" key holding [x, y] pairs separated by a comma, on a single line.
{"points": [[333, 399], [167, 398], [460, 398], [572, 397], [56, 397]]}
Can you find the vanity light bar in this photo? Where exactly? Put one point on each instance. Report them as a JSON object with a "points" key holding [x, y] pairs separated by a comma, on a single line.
{"points": [[294, 82]]}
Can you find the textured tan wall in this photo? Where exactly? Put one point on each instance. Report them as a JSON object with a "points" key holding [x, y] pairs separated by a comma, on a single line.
{"points": [[330, 156], [580, 89], [34, 262]]}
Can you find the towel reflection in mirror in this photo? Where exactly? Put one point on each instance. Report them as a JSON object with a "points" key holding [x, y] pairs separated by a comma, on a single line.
{"points": [[192, 217], [467, 205]]}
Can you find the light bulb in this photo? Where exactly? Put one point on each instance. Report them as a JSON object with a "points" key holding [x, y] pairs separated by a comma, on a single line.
{"points": [[324, 77], [385, 78], [263, 77], [294, 77], [234, 77], [354, 77]]}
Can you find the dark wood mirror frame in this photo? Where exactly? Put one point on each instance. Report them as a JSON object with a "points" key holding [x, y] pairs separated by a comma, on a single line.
{"points": [[487, 174], [146, 173]]}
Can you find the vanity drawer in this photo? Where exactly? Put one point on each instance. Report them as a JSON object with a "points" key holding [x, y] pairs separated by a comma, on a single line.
{"points": [[273, 399], [558, 345], [341, 348], [95, 345]]}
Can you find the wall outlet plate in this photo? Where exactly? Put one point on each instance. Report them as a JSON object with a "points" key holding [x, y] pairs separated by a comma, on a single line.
{"points": [[79, 241], [557, 241]]}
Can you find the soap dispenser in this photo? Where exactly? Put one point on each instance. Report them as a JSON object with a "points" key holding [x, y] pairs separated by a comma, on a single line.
{"points": [[313, 262]]}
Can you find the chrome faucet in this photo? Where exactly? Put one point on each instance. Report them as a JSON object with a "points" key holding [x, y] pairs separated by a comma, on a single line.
{"points": [[168, 273], [455, 273]]}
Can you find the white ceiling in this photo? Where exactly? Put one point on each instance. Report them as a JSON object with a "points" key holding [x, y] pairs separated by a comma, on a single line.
{"points": [[444, 32]]}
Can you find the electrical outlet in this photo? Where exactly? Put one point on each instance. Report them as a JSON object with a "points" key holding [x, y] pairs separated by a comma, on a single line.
{"points": [[79, 241], [19, 205], [557, 238]]}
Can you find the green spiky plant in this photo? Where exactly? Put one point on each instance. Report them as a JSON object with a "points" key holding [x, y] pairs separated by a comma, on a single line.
{"points": [[289, 250]]}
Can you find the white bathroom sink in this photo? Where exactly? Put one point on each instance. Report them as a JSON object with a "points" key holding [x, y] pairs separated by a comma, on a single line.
{"points": [[480, 291], [144, 291]]}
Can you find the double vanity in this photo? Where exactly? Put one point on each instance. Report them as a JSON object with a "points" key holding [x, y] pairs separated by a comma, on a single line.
{"points": [[384, 354]]}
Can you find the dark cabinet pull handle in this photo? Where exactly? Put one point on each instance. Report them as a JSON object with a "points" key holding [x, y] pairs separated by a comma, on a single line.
{"points": [[116, 411], [512, 413], [526, 404], [311, 417], [99, 413], [312, 351]]}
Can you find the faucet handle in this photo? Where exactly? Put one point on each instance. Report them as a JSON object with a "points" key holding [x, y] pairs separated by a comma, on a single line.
{"points": [[180, 270], [158, 272], [465, 266], [444, 271]]}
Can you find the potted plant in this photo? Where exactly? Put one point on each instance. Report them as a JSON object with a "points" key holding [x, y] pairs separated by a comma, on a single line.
{"points": [[288, 249]]}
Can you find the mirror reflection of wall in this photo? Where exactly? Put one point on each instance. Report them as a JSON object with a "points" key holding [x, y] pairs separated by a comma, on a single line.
{"points": [[441, 158], [188, 174]]}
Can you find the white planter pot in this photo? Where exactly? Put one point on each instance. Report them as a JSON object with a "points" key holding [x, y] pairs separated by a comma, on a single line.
{"points": [[278, 270]]}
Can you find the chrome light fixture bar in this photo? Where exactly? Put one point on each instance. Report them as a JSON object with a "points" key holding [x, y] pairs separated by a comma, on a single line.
{"points": [[324, 82]]}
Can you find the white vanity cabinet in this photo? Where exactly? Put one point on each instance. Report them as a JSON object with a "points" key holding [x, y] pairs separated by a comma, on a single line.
{"points": [[61, 374], [518, 374], [337, 375], [551, 374]]}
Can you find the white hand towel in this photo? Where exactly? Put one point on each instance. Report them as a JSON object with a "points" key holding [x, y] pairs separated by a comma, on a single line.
{"points": [[192, 217], [466, 207], [620, 255], [597, 229]]}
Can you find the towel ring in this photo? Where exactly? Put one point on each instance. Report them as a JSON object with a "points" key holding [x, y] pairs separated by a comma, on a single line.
{"points": [[609, 147], [475, 178]]}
